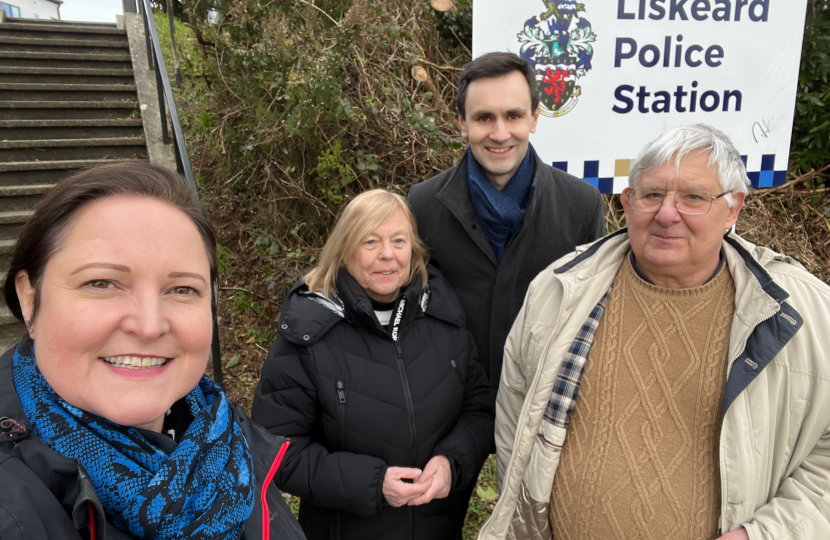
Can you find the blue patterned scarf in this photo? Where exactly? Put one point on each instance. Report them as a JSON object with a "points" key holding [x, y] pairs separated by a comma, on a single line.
{"points": [[204, 489], [500, 212]]}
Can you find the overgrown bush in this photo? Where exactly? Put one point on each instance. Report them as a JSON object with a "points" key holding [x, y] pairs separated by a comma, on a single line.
{"points": [[308, 104], [811, 129]]}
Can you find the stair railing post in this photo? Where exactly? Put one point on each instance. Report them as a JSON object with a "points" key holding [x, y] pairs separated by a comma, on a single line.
{"points": [[176, 69], [160, 88], [147, 38]]}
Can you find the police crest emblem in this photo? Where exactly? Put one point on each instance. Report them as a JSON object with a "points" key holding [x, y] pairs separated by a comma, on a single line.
{"points": [[557, 43]]}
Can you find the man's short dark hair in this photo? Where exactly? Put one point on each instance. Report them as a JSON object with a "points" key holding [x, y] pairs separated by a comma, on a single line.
{"points": [[495, 64]]}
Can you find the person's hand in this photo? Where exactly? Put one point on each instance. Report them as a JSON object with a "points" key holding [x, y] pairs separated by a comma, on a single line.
{"points": [[438, 475], [399, 493], [737, 534]]}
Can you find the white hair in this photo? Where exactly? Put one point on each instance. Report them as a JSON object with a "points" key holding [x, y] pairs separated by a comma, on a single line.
{"points": [[678, 142]]}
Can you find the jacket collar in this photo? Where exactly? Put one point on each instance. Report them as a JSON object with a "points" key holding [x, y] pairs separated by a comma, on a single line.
{"points": [[359, 307], [763, 322], [65, 478], [455, 195], [306, 317], [756, 292]]}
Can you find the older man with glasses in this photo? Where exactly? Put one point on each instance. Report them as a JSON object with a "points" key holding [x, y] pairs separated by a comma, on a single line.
{"points": [[670, 380]]}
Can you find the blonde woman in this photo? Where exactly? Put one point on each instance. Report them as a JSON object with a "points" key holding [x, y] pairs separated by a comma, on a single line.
{"points": [[375, 379]]}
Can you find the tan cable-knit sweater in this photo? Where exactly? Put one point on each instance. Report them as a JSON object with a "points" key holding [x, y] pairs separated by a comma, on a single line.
{"points": [[641, 454]]}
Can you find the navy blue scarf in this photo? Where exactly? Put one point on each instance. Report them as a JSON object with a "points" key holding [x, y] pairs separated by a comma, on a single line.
{"points": [[204, 489], [500, 212]]}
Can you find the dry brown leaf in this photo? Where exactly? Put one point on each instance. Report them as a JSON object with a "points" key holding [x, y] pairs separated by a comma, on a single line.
{"points": [[420, 74], [442, 5]]}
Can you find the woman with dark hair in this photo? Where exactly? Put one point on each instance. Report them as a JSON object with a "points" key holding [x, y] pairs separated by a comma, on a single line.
{"points": [[109, 428], [375, 379]]}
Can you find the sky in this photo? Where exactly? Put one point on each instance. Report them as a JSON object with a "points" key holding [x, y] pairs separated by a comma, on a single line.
{"points": [[90, 10]]}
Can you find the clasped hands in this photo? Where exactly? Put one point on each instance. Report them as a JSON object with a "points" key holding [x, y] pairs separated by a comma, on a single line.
{"points": [[432, 483]]}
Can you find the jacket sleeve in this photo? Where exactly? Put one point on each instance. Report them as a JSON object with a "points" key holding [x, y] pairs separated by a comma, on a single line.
{"points": [[285, 403], [512, 391], [801, 508], [468, 443]]}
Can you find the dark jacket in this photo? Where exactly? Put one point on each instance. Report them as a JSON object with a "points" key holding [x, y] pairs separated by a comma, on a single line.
{"points": [[47, 495], [563, 212], [354, 404]]}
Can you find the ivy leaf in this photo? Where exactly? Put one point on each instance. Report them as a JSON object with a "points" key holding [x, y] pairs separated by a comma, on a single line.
{"points": [[487, 493]]}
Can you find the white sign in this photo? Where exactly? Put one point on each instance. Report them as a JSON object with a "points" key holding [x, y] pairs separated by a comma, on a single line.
{"points": [[614, 74]]}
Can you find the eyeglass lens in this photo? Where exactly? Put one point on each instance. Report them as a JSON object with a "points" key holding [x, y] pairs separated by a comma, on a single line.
{"points": [[688, 202]]}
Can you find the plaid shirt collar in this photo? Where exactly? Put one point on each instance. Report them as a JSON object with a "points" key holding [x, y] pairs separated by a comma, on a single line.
{"points": [[566, 387]]}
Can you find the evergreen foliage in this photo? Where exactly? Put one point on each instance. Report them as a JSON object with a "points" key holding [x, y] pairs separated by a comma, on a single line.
{"points": [[811, 129]]}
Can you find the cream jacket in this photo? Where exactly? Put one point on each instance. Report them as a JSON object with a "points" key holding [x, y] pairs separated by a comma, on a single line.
{"points": [[775, 441]]}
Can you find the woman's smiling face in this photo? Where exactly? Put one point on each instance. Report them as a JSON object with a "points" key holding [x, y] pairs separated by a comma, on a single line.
{"points": [[124, 324], [381, 263]]}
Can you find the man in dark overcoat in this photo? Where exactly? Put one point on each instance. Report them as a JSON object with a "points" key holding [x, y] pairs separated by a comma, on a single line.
{"points": [[501, 215]]}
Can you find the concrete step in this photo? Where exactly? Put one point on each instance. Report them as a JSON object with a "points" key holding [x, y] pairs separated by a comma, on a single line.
{"points": [[11, 329], [40, 87], [44, 172], [19, 198], [10, 231], [18, 74], [6, 316], [69, 129], [116, 132], [98, 122], [11, 334], [74, 149], [68, 60], [63, 27], [46, 43], [18, 191], [15, 217], [66, 92], [29, 110], [7, 246], [15, 166], [11, 223]]}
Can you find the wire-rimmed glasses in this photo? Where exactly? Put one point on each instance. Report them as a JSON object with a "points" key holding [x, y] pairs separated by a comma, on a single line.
{"points": [[689, 202]]}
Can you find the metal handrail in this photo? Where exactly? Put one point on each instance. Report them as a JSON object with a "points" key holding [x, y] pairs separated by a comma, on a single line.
{"points": [[155, 53], [155, 59]]}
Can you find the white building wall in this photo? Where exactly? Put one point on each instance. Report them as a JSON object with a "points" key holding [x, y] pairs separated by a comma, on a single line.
{"points": [[35, 9]]}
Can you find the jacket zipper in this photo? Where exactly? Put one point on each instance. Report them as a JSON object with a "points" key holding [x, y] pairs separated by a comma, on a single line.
{"points": [[341, 414], [746, 339], [723, 488], [266, 514], [91, 521], [410, 409], [457, 372]]}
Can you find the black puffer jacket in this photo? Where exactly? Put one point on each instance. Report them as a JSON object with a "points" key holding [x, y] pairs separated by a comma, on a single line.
{"points": [[50, 496], [354, 404]]}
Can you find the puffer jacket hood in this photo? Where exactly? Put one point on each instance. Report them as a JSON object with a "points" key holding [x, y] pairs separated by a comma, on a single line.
{"points": [[307, 316]]}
